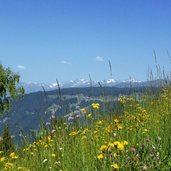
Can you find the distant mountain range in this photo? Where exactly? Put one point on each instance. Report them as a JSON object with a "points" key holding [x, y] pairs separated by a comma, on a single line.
{"points": [[34, 87], [27, 113]]}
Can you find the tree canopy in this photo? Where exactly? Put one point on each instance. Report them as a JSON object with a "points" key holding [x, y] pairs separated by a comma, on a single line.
{"points": [[9, 88]]}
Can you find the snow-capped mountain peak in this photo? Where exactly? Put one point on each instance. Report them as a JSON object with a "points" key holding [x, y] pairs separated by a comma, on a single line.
{"points": [[111, 80], [33, 87]]}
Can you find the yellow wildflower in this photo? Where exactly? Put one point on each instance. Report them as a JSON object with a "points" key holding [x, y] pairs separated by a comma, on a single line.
{"points": [[49, 138], [111, 144], [46, 146], [9, 165], [53, 155], [116, 143], [13, 156], [116, 120], [2, 159], [119, 126], [115, 155], [100, 156], [119, 145], [83, 137], [74, 133], [130, 99], [32, 153], [20, 168], [89, 115], [108, 129], [85, 131], [96, 105], [95, 132], [145, 131], [125, 142], [115, 166], [100, 122], [103, 147], [83, 110], [122, 100]]}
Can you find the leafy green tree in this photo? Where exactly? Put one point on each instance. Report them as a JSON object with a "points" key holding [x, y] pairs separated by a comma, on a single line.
{"points": [[8, 88]]}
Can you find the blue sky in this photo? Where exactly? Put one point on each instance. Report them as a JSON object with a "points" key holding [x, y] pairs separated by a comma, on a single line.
{"points": [[70, 39]]}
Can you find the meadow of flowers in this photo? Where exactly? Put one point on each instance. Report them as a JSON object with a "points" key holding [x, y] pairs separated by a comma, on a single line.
{"points": [[138, 138]]}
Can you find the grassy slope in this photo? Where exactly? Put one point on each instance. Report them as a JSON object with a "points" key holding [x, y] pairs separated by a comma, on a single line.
{"points": [[139, 139]]}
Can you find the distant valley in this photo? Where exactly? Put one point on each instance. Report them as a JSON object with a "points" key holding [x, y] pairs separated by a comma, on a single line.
{"points": [[28, 113]]}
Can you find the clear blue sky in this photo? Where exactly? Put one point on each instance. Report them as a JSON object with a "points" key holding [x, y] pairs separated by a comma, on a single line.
{"points": [[69, 39]]}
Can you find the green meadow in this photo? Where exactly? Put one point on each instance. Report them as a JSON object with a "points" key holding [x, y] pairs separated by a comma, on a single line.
{"points": [[138, 138]]}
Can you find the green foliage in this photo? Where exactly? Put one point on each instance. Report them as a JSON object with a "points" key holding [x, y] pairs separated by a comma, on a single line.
{"points": [[8, 86], [6, 144]]}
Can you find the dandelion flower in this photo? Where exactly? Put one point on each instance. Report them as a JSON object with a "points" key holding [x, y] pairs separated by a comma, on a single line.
{"points": [[100, 156], [96, 105], [13, 156], [116, 120], [111, 144], [83, 110], [115, 166], [119, 126], [103, 147], [119, 145], [125, 142], [2, 159], [9, 165]]}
